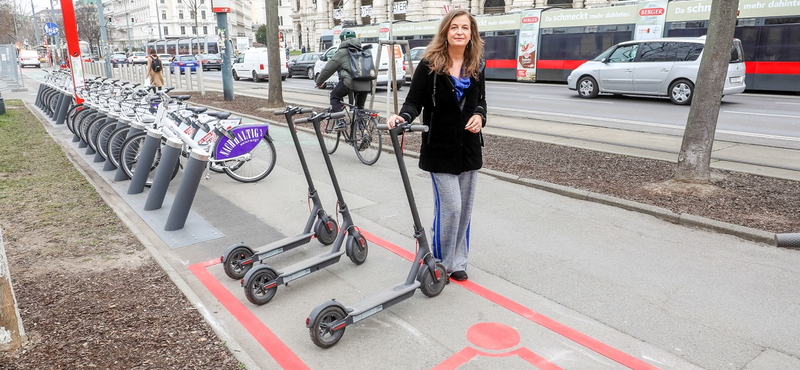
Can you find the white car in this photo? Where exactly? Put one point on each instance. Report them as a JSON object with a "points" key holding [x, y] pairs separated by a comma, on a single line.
{"points": [[138, 58], [253, 64], [29, 58], [383, 69]]}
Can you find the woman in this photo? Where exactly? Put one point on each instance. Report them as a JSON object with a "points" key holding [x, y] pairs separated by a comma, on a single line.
{"points": [[156, 78], [448, 88]]}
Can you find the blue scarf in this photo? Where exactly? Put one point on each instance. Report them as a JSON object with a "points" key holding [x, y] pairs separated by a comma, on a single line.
{"points": [[461, 85]]}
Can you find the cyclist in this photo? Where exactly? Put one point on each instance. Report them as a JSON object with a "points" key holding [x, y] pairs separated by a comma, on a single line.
{"points": [[340, 61]]}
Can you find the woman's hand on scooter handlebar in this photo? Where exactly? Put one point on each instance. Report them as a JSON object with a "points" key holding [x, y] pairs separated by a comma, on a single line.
{"points": [[393, 121]]}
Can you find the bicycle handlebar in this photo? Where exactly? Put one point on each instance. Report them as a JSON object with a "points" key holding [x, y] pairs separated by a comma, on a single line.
{"points": [[322, 116], [405, 127], [295, 110]]}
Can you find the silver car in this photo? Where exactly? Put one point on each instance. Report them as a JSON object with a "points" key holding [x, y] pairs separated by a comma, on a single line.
{"points": [[657, 67]]}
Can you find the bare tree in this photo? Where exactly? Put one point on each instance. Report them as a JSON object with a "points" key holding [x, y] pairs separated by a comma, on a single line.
{"points": [[275, 97], [194, 13], [88, 25], [7, 35], [694, 160]]}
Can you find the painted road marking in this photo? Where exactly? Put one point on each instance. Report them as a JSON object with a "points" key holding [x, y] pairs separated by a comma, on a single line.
{"points": [[288, 359]]}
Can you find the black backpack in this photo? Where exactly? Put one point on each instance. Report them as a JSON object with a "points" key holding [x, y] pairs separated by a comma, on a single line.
{"points": [[155, 65], [362, 67]]}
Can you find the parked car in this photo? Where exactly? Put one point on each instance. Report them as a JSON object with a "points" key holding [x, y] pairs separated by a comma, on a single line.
{"points": [[383, 68], [656, 67], [29, 58], [303, 65], [90, 58], [252, 63], [416, 57], [210, 61], [165, 58], [183, 62], [138, 57], [118, 59]]}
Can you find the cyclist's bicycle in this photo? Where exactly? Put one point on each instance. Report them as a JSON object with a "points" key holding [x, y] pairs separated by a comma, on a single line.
{"points": [[361, 132]]}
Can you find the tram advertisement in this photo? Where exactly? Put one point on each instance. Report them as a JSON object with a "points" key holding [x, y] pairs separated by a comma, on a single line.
{"points": [[526, 47], [652, 15]]}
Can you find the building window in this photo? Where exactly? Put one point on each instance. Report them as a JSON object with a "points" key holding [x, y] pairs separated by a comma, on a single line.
{"points": [[166, 30], [180, 14], [191, 14], [163, 15], [280, 20], [183, 30], [203, 14], [202, 2], [205, 30], [194, 30]]}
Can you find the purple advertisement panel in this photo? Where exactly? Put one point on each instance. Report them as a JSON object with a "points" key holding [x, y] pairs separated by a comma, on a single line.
{"points": [[246, 137]]}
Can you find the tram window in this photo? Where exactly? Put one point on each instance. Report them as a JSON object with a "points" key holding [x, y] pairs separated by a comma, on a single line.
{"points": [[749, 37], [779, 43], [552, 47], [786, 20], [624, 54], [657, 52]]}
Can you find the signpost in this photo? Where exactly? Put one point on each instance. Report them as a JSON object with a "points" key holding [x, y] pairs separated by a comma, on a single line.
{"points": [[222, 8], [50, 29]]}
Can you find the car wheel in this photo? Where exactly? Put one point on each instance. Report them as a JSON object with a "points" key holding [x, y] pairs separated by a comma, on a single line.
{"points": [[235, 76], [587, 88], [681, 92], [310, 73], [255, 77]]}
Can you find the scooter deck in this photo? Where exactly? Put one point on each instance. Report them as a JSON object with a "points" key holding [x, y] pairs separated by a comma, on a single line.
{"points": [[280, 246], [308, 266], [385, 299]]}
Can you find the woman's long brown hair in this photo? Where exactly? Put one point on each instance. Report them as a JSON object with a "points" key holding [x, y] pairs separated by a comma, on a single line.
{"points": [[439, 58]]}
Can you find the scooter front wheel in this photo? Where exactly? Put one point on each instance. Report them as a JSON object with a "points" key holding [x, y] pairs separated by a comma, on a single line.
{"points": [[258, 288], [429, 286], [233, 266], [323, 334], [326, 232], [356, 249]]}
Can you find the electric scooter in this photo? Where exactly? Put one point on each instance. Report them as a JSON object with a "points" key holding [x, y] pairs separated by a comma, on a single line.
{"points": [[261, 282], [327, 322], [239, 258]]}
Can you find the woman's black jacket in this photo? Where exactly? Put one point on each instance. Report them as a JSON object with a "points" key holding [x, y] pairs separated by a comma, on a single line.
{"points": [[447, 146]]}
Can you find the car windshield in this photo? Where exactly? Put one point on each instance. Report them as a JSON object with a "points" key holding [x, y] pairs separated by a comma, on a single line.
{"points": [[416, 54], [187, 58], [122, 56], [138, 54]]}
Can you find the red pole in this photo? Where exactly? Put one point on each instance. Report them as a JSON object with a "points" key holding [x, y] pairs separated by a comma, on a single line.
{"points": [[74, 49]]}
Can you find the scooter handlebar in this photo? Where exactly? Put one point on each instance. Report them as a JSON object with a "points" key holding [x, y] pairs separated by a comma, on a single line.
{"points": [[405, 127]]}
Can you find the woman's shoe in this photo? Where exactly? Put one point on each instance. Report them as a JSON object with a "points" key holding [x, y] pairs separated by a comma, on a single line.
{"points": [[459, 275]]}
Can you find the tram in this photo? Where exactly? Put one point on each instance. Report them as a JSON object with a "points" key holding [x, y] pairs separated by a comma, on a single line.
{"points": [[185, 46], [547, 44]]}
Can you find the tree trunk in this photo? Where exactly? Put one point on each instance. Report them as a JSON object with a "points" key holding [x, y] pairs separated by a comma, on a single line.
{"points": [[694, 160], [11, 332], [275, 97]]}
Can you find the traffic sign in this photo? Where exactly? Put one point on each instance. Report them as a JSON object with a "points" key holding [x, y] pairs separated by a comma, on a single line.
{"points": [[50, 29]]}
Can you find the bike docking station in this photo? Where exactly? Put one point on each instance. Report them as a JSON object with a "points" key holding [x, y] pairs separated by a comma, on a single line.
{"points": [[261, 282], [327, 322]]}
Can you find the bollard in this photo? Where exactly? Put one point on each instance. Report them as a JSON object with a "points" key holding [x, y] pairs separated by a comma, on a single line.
{"points": [[188, 72], [122, 122], [136, 128], [187, 190], [147, 155], [167, 75], [63, 109], [2, 105], [170, 155], [791, 240], [200, 84]]}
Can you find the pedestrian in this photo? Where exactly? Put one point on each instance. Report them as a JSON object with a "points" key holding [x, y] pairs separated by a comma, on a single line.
{"points": [[448, 89], [155, 68], [303, 49]]}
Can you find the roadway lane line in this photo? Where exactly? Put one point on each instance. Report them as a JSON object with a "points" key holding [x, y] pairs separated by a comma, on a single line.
{"points": [[568, 99], [762, 114]]}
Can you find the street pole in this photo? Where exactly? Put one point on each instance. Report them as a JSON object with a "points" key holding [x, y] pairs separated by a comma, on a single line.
{"points": [[227, 77], [58, 41], [158, 19], [103, 38], [35, 27], [128, 26]]}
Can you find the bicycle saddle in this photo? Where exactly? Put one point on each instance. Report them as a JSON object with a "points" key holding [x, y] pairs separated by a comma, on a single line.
{"points": [[197, 110], [148, 120], [182, 97], [220, 115]]}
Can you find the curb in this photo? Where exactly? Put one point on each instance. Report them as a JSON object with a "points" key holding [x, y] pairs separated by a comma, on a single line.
{"points": [[743, 232], [119, 207]]}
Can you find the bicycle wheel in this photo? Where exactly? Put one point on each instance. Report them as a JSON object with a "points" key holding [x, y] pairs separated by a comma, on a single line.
{"points": [[114, 145], [93, 129], [77, 120], [367, 140], [102, 139], [82, 124], [256, 165], [330, 136], [71, 114], [129, 157]]}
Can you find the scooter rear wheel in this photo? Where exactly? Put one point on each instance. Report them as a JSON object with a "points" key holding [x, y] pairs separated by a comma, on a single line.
{"points": [[257, 291], [431, 288], [357, 249], [324, 233], [233, 263], [322, 334]]}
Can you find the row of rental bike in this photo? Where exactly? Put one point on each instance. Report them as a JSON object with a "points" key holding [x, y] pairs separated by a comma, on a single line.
{"points": [[115, 118]]}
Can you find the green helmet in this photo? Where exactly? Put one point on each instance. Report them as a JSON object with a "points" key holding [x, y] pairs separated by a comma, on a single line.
{"points": [[347, 34]]}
